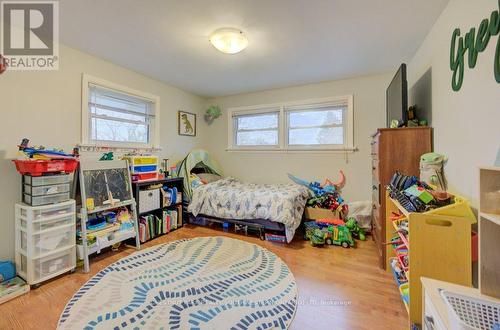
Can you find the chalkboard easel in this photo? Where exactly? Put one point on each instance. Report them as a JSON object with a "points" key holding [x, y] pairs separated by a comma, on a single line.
{"points": [[104, 186]]}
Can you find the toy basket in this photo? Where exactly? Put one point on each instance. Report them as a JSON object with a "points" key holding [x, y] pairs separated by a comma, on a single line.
{"points": [[468, 313], [40, 167]]}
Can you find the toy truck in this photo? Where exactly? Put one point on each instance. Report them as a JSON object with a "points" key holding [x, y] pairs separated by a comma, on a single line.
{"points": [[332, 235], [339, 235]]}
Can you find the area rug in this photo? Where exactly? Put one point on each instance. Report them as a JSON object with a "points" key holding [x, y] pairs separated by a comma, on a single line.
{"points": [[200, 283]]}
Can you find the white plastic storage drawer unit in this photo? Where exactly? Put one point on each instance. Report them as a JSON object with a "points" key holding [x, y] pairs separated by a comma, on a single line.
{"points": [[45, 240], [149, 200]]}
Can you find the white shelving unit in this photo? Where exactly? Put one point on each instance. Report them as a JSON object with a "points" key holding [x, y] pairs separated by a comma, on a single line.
{"points": [[489, 231], [45, 240]]}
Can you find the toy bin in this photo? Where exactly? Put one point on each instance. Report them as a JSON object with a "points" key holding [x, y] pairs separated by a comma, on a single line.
{"points": [[48, 224], [469, 313], [404, 291], [144, 177], [46, 190], [45, 213], [48, 241], [144, 169], [460, 208], [48, 180], [45, 200], [36, 270], [40, 167]]}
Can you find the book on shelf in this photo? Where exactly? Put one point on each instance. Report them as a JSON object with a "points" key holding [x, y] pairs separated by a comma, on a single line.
{"points": [[13, 288]]}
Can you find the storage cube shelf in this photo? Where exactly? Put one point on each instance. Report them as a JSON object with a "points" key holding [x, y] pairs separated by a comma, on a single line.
{"points": [[45, 240]]}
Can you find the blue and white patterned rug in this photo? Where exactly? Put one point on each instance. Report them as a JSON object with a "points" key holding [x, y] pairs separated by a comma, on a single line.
{"points": [[200, 283]]}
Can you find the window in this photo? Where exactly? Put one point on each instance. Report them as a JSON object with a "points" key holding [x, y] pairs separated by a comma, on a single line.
{"points": [[114, 115], [259, 129], [324, 124]]}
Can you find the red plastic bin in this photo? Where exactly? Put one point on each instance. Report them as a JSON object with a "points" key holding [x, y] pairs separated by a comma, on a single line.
{"points": [[144, 177], [41, 167]]}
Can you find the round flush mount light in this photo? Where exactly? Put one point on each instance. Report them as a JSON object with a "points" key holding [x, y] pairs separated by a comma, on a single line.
{"points": [[229, 40]]}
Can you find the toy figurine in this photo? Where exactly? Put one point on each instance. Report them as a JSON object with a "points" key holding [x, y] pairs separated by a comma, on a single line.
{"points": [[356, 231]]}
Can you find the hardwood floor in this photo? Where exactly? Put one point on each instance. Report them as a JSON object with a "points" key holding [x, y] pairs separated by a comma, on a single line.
{"points": [[338, 288]]}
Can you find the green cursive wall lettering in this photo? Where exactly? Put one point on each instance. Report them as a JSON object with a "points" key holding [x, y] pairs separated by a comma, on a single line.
{"points": [[473, 43]]}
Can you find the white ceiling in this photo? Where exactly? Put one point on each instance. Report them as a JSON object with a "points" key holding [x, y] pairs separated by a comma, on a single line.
{"points": [[291, 42]]}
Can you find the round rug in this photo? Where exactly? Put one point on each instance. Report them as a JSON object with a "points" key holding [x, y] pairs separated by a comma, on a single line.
{"points": [[200, 283]]}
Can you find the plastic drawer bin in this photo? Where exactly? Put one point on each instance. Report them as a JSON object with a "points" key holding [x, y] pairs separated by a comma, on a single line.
{"points": [[144, 169], [47, 180], [144, 160], [47, 224], [46, 212], [47, 242], [46, 190], [38, 270], [45, 200]]}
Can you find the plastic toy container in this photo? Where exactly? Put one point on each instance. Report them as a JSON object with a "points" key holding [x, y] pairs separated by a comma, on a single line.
{"points": [[143, 160], [45, 200], [45, 213], [40, 167], [41, 269], [46, 190], [145, 169], [46, 180], [144, 177], [48, 224], [48, 241], [468, 313], [404, 291]]}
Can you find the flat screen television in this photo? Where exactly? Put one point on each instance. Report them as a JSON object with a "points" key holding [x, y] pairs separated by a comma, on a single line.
{"points": [[397, 97]]}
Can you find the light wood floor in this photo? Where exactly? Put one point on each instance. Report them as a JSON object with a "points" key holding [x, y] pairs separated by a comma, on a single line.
{"points": [[357, 293]]}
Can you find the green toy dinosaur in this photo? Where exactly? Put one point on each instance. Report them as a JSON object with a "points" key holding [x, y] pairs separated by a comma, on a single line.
{"points": [[355, 230]]}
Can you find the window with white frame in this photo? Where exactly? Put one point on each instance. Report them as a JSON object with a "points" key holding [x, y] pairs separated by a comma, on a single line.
{"points": [[257, 129], [324, 124], [114, 115]]}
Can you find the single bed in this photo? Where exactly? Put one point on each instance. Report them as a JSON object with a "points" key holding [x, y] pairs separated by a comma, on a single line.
{"points": [[229, 198]]}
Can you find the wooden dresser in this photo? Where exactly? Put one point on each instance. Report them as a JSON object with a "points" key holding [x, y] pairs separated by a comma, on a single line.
{"points": [[393, 149]]}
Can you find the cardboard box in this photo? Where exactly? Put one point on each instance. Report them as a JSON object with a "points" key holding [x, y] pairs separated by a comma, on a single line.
{"points": [[318, 213]]}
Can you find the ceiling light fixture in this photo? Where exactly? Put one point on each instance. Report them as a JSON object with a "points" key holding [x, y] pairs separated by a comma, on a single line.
{"points": [[229, 40]]}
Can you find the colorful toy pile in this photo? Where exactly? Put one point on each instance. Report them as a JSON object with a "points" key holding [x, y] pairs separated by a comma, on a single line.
{"points": [[40, 161], [415, 195], [326, 195]]}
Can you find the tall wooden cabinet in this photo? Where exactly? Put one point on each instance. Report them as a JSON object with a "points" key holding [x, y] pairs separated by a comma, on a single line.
{"points": [[393, 149]]}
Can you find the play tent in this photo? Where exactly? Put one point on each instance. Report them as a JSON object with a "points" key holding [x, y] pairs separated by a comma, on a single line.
{"points": [[197, 161]]}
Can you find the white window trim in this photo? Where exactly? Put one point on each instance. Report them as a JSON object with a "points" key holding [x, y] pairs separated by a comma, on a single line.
{"points": [[284, 107], [155, 138]]}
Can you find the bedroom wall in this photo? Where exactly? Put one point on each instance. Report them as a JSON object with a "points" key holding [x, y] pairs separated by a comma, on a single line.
{"points": [[271, 167], [466, 123], [46, 108]]}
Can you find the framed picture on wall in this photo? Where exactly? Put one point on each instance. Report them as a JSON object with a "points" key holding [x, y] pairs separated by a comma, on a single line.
{"points": [[187, 123]]}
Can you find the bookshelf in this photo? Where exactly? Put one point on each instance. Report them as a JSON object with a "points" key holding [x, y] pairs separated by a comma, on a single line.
{"points": [[158, 212]]}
